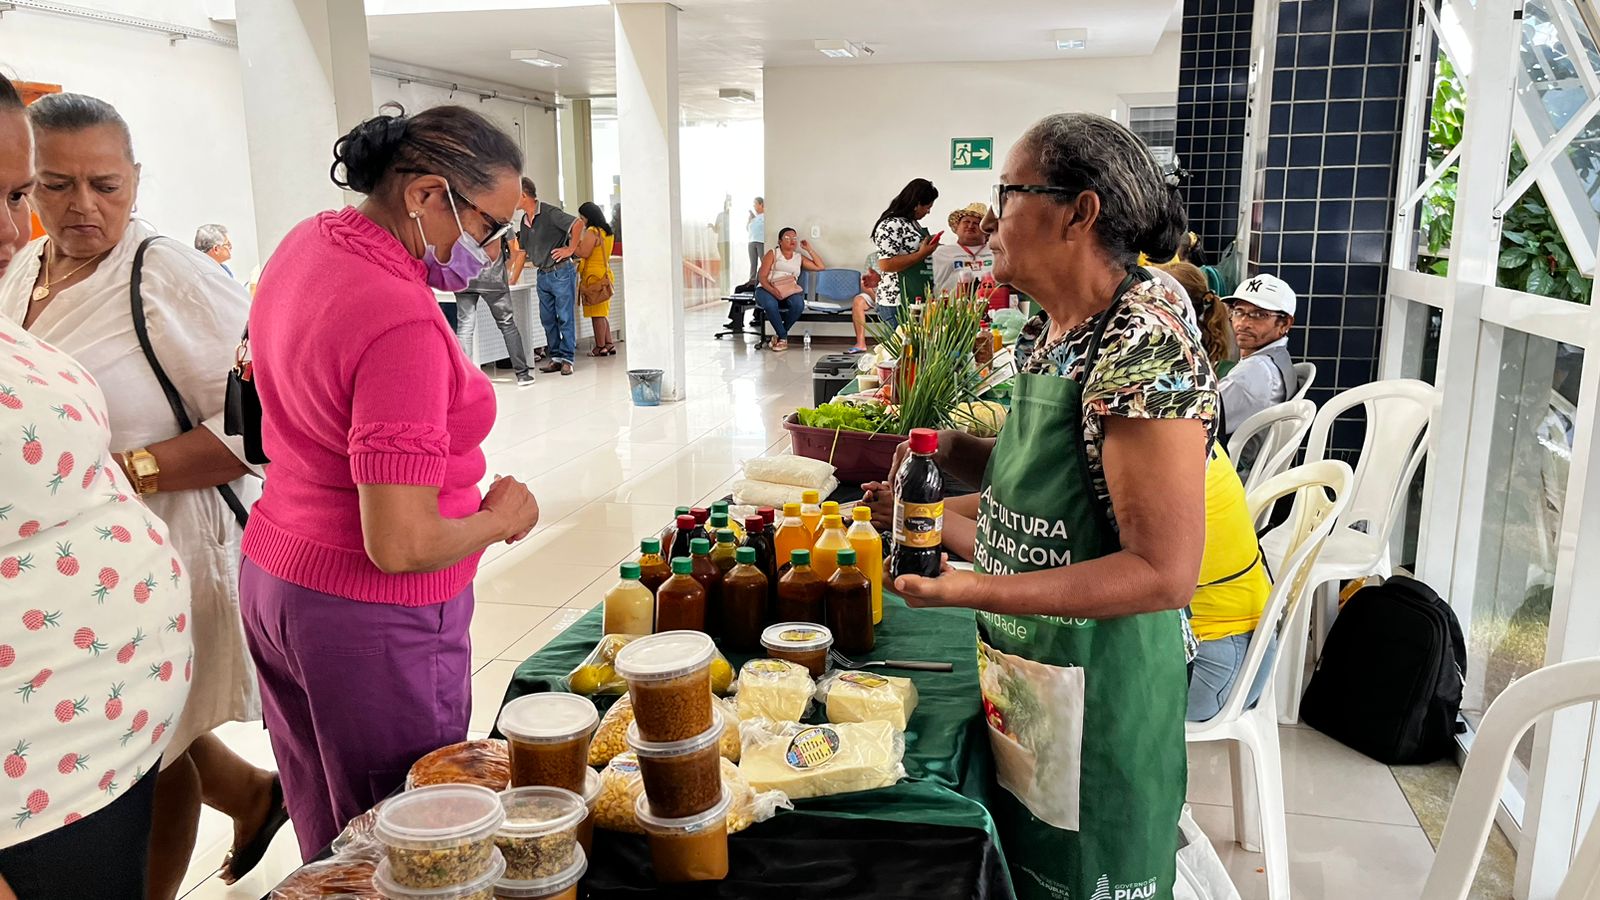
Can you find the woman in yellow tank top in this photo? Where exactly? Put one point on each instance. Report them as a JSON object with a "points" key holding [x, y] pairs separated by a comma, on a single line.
{"points": [[1232, 594], [595, 280]]}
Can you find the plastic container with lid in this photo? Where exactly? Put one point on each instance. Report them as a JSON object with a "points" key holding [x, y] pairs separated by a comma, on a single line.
{"points": [[682, 778], [440, 836], [479, 888], [693, 848], [799, 642], [540, 833], [669, 683], [549, 736], [561, 886], [591, 799]]}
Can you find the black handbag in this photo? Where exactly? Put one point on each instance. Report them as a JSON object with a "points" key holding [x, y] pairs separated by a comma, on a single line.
{"points": [[241, 413], [174, 399]]}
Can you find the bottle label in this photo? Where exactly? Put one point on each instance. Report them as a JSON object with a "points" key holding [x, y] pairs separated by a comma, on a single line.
{"points": [[919, 525], [812, 747]]}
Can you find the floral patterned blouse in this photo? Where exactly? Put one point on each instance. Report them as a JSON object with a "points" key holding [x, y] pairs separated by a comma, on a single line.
{"points": [[1152, 365], [95, 647]]}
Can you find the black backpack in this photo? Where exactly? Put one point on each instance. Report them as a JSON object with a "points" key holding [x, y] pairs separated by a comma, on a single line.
{"points": [[1391, 674]]}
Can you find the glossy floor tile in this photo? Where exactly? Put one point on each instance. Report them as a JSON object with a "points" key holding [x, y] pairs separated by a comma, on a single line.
{"points": [[607, 473]]}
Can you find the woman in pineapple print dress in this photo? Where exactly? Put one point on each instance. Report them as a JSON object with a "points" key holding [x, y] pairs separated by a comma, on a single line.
{"points": [[73, 288], [95, 652]]}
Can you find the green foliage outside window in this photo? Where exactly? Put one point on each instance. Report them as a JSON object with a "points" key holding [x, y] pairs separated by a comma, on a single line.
{"points": [[1533, 255]]}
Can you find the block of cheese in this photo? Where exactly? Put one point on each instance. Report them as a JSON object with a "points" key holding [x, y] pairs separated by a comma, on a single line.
{"points": [[774, 689], [821, 760], [866, 697]]}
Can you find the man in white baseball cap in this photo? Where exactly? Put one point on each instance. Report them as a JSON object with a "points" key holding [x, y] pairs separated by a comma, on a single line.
{"points": [[1263, 310]]}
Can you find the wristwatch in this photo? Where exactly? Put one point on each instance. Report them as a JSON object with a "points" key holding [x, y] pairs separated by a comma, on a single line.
{"points": [[143, 469]]}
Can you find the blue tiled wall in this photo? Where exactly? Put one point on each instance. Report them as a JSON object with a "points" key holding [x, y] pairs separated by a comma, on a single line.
{"points": [[1324, 193], [1213, 82]]}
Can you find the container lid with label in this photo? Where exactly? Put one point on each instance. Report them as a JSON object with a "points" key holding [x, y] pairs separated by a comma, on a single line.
{"points": [[550, 718], [439, 816], [686, 825], [545, 887], [386, 885], [796, 637], [670, 654], [537, 811], [655, 750]]}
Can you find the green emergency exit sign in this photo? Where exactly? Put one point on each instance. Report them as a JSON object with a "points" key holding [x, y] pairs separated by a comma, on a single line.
{"points": [[971, 153]]}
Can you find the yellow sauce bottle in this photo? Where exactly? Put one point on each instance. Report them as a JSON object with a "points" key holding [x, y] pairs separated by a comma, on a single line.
{"points": [[792, 535], [629, 606], [830, 508], [825, 552], [868, 544], [810, 510]]}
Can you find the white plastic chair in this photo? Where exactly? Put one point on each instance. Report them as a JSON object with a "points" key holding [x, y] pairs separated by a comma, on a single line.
{"points": [[1281, 429], [1398, 413], [1321, 490], [1509, 717], [1306, 374]]}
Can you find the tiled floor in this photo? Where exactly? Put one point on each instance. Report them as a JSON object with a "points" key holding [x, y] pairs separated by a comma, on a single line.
{"points": [[606, 472]]}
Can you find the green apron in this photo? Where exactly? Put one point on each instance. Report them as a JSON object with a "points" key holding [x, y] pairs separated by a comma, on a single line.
{"points": [[916, 283], [1085, 717]]}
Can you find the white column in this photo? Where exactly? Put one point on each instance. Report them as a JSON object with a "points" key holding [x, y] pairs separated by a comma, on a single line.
{"points": [[647, 124], [307, 80]]}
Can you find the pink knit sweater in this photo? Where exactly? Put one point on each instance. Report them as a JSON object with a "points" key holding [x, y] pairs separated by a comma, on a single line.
{"points": [[361, 382]]}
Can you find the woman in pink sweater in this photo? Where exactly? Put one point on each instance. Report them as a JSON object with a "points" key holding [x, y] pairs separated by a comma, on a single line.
{"points": [[359, 557]]}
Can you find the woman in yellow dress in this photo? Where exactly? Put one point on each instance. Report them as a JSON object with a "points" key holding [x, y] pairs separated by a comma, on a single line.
{"points": [[595, 280]]}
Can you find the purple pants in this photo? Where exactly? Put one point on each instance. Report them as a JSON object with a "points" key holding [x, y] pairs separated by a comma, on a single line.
{"points": [[352, 693]]}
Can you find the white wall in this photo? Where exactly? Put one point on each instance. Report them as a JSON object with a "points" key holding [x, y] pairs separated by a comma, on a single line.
{"points": [[184, 104], [841, 141], [533, 129]]}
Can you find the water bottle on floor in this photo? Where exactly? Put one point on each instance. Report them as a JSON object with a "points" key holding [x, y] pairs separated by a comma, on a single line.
{"points": [[807, 341]]}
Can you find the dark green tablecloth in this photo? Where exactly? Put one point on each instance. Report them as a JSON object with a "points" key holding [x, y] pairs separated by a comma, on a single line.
{"points": [[947, 751]]}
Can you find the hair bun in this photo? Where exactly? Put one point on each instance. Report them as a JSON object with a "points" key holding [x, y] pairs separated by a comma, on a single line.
{"points": [[366, 151]]}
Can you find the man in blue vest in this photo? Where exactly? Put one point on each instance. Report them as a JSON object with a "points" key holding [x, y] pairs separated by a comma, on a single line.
{"points": [[1263, 312]]}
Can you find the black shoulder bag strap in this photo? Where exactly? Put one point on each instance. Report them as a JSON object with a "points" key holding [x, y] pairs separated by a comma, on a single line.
{"points": [[174, 399]]}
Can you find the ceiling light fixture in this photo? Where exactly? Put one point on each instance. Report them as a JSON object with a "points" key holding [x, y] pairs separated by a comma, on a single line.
{"points": [[541, 58], [736, 95], [839, 49], [1072, 39]]}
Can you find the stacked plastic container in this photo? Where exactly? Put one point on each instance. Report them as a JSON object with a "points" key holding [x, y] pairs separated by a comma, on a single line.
{"points": [[675, 734], [547, 816], [440, 844]]}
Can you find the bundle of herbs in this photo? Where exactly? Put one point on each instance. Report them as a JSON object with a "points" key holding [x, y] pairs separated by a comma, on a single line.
{"points": [[935, 371]]}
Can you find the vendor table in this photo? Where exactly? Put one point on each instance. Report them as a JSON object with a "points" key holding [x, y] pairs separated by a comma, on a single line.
{"points": [[928, 836]]}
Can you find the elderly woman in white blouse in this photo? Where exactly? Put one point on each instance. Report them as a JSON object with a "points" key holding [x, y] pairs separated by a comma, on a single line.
{"points": [[73, 288]]}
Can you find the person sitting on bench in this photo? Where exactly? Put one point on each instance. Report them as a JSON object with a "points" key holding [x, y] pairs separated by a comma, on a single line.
{"points": [[867, 299], [778, 289]]}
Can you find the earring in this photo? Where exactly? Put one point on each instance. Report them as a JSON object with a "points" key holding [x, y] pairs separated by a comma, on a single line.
{"points": [[416, 213]]}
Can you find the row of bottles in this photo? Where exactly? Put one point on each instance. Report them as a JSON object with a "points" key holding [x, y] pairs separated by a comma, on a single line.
{"points": [[721, 602], [831, 536]]}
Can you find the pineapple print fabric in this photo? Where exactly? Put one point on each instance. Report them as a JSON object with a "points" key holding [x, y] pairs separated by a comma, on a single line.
{"points": [[1152, 365], [95, 648]]}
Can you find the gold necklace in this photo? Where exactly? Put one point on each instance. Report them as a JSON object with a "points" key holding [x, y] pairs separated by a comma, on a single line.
{"points": [[42, 292]]}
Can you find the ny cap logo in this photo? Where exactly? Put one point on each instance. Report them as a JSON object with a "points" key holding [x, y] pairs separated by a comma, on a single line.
{"points": [[1255, 284]]}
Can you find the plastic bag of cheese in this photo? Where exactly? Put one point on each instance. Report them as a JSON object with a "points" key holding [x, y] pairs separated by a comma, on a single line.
{"points": [[867, 696], [621, 782], [821, 760], [774, 689]]}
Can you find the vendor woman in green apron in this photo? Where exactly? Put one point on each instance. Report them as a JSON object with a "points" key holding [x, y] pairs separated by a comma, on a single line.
{"points": [[1091, 522]]}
